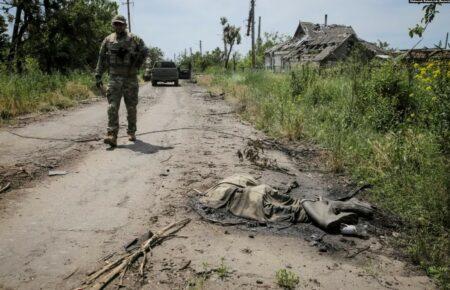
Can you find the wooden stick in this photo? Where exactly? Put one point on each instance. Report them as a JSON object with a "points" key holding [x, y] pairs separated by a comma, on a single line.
{"points": [[105, 269], [144, 260], [122, 275], [121, 265], [5, 188], [358, 252]]}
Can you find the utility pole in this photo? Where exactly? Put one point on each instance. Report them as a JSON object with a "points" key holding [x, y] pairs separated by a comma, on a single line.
{"points": [[251, 29], [201, 49], [129, 15], [446, 41], [259, 33]]}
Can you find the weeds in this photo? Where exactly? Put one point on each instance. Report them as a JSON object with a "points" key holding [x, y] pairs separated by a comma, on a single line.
{"points": [[384, 123], [223, 271], [286, 279], [197, 283], [34, 91]]}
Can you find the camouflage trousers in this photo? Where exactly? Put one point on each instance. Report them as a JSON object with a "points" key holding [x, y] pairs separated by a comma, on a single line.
{"points": [[128, 87]]}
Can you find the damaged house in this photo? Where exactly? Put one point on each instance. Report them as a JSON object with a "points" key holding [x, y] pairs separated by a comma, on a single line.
{"points": [[317, 44]]}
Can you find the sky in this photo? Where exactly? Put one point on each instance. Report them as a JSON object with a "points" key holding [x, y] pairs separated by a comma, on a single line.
{"points": [[176, 25]]}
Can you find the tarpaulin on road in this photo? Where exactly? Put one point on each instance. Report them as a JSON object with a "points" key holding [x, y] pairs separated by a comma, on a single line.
{"points": [[244, 197]]}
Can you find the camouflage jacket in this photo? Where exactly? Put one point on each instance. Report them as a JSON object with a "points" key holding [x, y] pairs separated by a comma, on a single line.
{"points": [[121, 55]]}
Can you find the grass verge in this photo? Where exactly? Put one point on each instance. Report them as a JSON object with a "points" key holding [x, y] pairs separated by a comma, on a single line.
{"points": [[34, 91], [384, 123]]}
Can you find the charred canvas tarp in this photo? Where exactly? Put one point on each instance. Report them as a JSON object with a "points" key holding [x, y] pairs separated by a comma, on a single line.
{"points": [[243, 196]]}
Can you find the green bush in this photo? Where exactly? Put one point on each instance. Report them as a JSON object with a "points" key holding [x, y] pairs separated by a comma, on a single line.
{"points": [[34, 91], [386, 123], [286, 279]]}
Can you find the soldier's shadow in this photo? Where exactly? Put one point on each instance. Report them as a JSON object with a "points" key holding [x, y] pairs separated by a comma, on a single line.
{"points": [[143, 147]]}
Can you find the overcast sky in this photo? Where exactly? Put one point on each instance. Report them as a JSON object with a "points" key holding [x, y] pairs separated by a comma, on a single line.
{"points": [[174, 25]]}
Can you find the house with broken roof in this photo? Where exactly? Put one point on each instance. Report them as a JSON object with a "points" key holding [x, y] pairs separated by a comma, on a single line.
{"points": [[319, 45]]}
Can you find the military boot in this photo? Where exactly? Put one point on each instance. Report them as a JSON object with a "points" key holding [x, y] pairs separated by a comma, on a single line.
{"points": [[111, 139], [132, 137]]}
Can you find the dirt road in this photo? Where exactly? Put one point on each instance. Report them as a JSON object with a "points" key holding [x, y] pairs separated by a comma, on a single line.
{"points": [[54, 230]]}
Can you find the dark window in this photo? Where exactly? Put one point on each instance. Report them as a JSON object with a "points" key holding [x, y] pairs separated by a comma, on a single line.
{"points": [[165, 64]]}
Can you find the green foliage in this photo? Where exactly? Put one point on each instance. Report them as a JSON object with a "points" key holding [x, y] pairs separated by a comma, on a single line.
{"points": [[269, 41], [197, 283], [61, 35], [203, 62], [214, 58], [3, 38], [430, 11], [223, 271], [286, 279], [386, 123], [34, 91], [155, 54], [231, 36]]}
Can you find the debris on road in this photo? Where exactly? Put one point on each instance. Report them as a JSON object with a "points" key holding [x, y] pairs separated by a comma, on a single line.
{"points": [[5, 188], [254, 152], [185, 266], [170, 157], [359, 251], [348, 230], [71, 274], [57, 172], [355, 231], [120, 266], [244, 197], [134, 244]]}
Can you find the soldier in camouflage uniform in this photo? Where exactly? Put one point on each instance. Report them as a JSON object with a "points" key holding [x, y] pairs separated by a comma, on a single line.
{"points": [[122, 54]]}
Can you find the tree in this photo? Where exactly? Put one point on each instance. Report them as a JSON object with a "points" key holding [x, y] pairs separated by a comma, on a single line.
{"points": [[383, 44], [210, 58], [61, 34], [3, 38], [224, 23], [155, 54], [231, 36], [430, 11], [269, 40]]}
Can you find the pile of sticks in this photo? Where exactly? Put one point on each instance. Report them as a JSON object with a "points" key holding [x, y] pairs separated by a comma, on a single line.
{"points": [[101, 278]]}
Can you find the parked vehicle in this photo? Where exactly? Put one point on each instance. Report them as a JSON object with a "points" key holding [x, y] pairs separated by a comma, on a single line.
{"points": [[165, 71], [185, 72]]}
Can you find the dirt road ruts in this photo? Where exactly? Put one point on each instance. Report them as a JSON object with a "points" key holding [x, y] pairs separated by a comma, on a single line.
{"points": [[58, 226]]}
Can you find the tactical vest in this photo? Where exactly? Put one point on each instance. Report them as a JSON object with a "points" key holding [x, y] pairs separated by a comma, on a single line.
{"points": [[122, 54]]}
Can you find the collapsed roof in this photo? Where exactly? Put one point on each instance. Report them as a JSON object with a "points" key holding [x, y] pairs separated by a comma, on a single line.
{"points": [[317, 43]]}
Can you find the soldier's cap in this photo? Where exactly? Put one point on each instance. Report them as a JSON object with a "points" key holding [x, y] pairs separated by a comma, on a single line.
{"points": [[119, 19]]}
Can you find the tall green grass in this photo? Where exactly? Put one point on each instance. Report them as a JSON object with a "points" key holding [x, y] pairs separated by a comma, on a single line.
{"points": [[34, 91], [385, 123]]}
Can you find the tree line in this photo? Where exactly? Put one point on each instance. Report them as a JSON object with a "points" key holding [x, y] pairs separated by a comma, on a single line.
{"points": [[226, 57], [61, 35]]}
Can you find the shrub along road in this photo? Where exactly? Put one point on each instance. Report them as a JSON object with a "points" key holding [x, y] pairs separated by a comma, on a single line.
{"points": [[54, 230]]}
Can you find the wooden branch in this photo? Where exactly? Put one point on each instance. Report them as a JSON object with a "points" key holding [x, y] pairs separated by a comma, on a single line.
{"points": [[120, 266], [358, 252], [144, 261], [6, 187]]}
